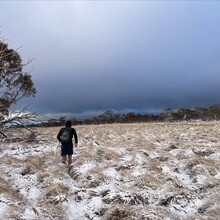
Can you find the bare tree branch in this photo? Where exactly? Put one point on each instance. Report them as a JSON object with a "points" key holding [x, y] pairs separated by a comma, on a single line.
{"points": [[15, 84]]}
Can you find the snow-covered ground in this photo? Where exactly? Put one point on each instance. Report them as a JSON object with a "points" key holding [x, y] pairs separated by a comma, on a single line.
{"points": [[168, 171]]}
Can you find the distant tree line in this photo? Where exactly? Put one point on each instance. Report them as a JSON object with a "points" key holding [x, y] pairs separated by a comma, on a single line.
{"points": [[169, 115]]}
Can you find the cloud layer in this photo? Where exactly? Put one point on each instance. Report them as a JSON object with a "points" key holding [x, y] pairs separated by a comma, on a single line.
{"points": [[99, 55]]}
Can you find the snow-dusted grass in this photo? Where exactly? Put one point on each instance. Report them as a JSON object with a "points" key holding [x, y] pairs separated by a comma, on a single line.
{"points": [[121, 171]]}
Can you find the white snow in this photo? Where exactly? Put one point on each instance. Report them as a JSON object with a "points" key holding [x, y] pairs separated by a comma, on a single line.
{"points": [[86, 167], [3, 207], [139, 171]]}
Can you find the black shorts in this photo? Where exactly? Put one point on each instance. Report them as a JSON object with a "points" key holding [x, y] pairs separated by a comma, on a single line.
{"points": [[66, 149]]}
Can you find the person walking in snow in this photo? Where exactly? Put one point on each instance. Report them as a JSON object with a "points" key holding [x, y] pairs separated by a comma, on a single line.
{"points": [[65, 136]]}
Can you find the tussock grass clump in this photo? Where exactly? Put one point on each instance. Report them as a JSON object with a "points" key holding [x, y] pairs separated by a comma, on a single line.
{"points": [[154, 165], [56, 194], [191, 163], [7, 188], [199, 165], [13, 214], [27, 171], [171, 147], [181, 199], [111, 155], [172, 184], [3, 179], [36, 162], [203, 152], [126, 198], [81, 194], [11, 160], [119, 213], [49, 211], [209, 210], [92, 178], [149, 180]]}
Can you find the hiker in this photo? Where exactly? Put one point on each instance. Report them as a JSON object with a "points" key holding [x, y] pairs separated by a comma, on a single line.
{"points": [[65, 136]]}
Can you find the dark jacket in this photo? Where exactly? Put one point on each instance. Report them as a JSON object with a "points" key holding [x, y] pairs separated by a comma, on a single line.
{"points": [[72, 133]]}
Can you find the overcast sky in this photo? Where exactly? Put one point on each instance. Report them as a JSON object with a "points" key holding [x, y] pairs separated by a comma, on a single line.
{"points": [[142, 56]]}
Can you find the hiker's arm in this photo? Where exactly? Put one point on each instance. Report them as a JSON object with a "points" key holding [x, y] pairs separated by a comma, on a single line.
{"points": [[58, 136], [75, 137]]}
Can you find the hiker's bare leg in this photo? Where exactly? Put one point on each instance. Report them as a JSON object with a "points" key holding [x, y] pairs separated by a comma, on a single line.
{"points": [[63, 159], [70, 159]]}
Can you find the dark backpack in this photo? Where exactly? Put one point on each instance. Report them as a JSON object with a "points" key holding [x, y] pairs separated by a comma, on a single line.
{"points": [[66, 135]]}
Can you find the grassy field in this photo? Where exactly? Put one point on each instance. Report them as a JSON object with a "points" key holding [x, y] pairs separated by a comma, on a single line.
{"points": [[148, 171]]}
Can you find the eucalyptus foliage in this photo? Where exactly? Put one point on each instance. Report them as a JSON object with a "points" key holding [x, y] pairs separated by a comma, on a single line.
{"points": [[15, 83]]}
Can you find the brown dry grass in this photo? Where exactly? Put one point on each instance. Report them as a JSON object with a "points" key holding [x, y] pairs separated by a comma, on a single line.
{"points": [[140, 171]]}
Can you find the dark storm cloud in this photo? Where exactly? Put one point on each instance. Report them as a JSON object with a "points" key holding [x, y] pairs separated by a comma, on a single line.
{"points": [[126, 55]]}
